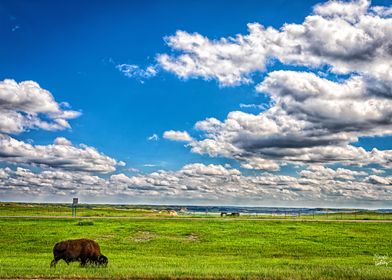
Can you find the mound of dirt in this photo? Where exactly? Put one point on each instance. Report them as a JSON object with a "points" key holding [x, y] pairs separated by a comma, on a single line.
{"points": [[193, 237]]}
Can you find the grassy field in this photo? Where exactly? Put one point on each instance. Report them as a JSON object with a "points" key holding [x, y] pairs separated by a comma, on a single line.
{"points": [[169, 249], [26, 209], [61, 210]]}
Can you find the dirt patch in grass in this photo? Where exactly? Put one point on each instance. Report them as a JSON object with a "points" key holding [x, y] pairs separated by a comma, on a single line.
{"points": [[193, 237], [143, 236], [105, 237]]}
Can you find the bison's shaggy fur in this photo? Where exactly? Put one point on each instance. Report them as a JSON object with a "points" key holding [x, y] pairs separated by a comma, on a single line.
{"points": [[81, 250]]}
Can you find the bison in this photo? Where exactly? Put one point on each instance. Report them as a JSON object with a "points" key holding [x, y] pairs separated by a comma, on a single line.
{"points": [[82, 250]]}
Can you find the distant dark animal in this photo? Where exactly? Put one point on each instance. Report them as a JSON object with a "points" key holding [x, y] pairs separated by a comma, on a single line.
{"points": [[81, 250], [235, 214], [223, 214]]}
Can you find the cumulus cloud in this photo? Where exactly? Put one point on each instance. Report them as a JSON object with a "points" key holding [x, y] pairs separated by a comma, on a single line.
{"points": [[50, 182], [228, 60], [377, 180], [313, 120], [310, 119], [60, 155], [199, 169], [377, 171], [26, 105], [347, 106], [133, 170], [382, 11], [258, 163], [62, 141], [182, 136], [321, 172], [199, 182], [347, 36]]}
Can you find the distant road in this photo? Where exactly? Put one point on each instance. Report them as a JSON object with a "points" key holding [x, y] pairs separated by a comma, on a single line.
{"points": [[199, 218]]}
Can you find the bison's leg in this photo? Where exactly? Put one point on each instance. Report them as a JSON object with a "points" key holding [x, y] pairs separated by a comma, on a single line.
{"points": [[53, 263], [56, 258], [94, 261], [83, 262]]}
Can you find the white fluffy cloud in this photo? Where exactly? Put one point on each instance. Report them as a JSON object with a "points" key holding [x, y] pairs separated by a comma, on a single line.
{"points": [[312, 120], [208, 183], [50, 182], [199, 169], [177, 136], [258, 163], [347, 36], [62, 141], [320, 172], [349, 106], [228, 60], [60, 155], [377, 180], [26, 105]]}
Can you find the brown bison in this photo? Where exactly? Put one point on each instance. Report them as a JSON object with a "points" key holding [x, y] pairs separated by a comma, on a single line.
{"points": [[82, 250]]}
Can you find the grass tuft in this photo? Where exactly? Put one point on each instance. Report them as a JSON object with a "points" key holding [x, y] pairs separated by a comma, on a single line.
{"points": [[85, 223]]}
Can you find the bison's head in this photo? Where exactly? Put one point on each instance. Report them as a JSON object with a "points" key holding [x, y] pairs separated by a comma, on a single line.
{"points": [[102, 260]]}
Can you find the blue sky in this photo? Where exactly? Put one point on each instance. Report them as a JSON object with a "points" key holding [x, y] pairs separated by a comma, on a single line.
{"points": [[73, 49]]}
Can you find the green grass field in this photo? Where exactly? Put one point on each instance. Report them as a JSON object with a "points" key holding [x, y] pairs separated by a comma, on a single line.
{"points": [[61, 210], [25, 209], [216, 248]]}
